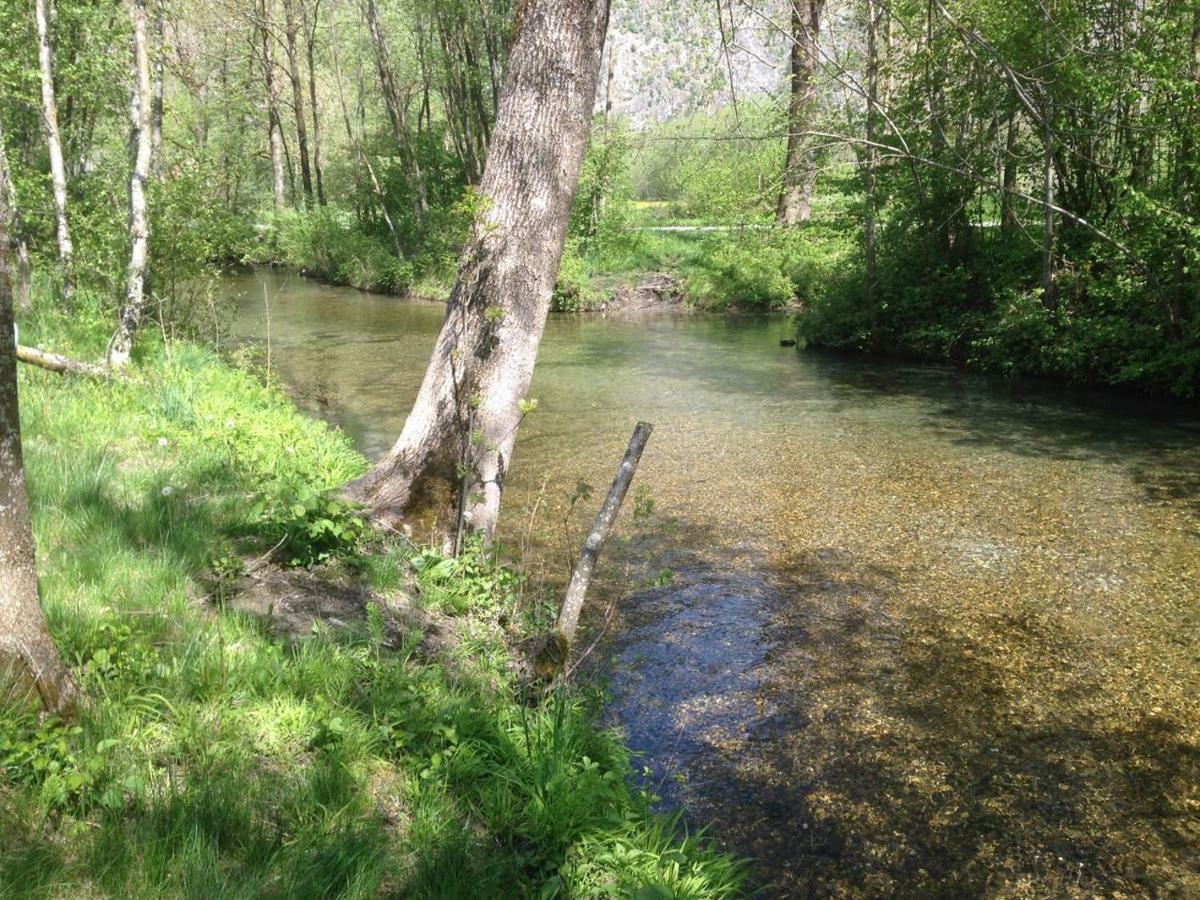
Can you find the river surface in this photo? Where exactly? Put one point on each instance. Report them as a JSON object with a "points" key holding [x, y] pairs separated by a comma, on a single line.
{"points": [[892, 630]]}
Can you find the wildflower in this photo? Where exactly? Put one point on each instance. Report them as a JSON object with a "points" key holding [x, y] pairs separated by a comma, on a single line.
{"points": [[167, 490], [162, 442]]}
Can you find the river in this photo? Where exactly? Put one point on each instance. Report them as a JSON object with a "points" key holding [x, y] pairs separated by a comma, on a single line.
{"points": [[893, 630]]}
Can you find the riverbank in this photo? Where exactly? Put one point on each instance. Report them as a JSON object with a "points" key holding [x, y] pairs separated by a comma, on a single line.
{"points": [[227, 747]]}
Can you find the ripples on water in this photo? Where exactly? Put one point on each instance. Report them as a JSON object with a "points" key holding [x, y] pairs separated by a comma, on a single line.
{"points": [[926, 635]]}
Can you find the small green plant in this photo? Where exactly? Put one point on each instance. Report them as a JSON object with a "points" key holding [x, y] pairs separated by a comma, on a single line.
{"points": [[312, 528], [473, 580]]}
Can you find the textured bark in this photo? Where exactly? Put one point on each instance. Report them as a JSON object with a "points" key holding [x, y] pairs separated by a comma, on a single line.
{"points": [[156, 109], [872, 211], [291, 27], [396, 110], [795, 199], [28, 656], [16, 233], [274, 126], [484, 357], [311, 21], [141, 140], [64, 365], [58, 169]]}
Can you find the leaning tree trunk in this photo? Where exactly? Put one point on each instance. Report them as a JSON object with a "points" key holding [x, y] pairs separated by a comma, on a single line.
{"points": [[58, 168], [465, 419], [141, 141], [28, 656], [870, 220], [795, 199]]}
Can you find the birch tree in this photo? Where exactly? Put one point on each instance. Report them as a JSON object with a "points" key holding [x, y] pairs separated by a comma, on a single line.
{"points": [[463, 425], [141, 140], [44, 14]]}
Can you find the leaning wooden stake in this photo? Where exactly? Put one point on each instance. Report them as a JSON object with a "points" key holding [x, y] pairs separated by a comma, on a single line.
{"points": [[553, 656]]}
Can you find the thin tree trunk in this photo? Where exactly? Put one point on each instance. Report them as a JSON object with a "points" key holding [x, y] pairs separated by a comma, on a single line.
{"points": [[310, 46], [872, 210], [291, 26], [28, 656], [16, 232], [795, 199], [156, 110], [356, 143], [395, 109], [1008, 210], [554, 656], [139, 220], [1049, 298], [274, 125], [58, 169], [484, 357]]}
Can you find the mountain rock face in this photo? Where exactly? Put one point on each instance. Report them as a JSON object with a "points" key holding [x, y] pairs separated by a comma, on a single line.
{"points": [[669, 59]]}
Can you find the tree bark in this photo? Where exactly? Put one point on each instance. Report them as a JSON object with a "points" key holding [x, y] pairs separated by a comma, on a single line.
{"points": [[28, 656], [156, 109], [484, 357], [291, 25], [395, 110], [274, 125], [63, 365], [58, 170], [141, 141], [16, 233], [872, 210], [310, 41], [795, 199]]}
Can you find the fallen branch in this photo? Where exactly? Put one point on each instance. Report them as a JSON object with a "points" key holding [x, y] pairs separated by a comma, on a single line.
{"points": [[552, 658], [62, 364]]}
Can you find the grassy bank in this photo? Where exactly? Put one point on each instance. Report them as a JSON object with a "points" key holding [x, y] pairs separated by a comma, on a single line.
{"points": [[211, 757]]}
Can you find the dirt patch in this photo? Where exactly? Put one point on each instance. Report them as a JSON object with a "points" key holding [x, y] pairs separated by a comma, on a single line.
{"points": [[654, 291], [295, 602]]}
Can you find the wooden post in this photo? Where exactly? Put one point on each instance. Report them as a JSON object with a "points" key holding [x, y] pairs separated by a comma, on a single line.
{"points": [[554, 655]]}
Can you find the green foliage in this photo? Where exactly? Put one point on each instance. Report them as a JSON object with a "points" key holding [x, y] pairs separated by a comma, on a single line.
{"points": [[210, 758], [310, 528], [475, 580], [327, 244], [574, 291], [746, 272]]}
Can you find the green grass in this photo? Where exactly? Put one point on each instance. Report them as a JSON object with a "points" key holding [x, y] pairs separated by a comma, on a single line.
{"points": [[210, 758]]}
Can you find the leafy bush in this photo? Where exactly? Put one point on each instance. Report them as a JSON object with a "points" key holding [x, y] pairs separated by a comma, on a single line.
{"points": [[327, 244], [309, 529], [746, 273]]}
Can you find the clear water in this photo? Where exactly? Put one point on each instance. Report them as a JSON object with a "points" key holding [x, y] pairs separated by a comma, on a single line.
{"points": [[920, 634]]}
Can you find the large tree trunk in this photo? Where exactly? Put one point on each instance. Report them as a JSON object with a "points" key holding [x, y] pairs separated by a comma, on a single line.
{"points": [[470, 403], [795, 199], [16, 233], [396, 111], [28, 656], [58, 169], [291, 26], [141, 141]]}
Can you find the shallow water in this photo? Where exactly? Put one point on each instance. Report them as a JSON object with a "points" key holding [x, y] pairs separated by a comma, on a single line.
{"points": [[920, 634]]}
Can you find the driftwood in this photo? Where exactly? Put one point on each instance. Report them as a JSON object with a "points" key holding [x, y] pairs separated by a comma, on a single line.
{"points": [[61, 364], [553, 656]]}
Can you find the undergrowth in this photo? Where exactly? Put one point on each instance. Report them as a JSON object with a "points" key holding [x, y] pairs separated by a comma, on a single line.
{"points": [[210, 758]]}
